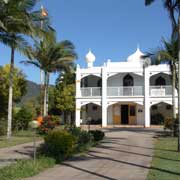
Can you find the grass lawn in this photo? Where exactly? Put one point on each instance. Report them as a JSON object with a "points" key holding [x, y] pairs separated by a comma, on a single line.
{"points": [[26, 168], [18, 138], [166, 160]]}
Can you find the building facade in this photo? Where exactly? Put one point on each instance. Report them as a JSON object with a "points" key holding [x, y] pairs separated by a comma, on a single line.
{"points": [[132, 92]]}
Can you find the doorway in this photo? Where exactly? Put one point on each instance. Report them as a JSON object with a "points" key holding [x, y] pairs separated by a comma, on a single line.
{"points": [[124, 114]]}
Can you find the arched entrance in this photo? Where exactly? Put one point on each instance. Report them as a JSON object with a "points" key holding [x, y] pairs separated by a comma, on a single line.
{"points": [[160, 112], [125, 113], [91, 112]]}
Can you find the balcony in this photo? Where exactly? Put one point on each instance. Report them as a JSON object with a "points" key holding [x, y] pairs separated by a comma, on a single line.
{"points": [[125, 91], [160, 91], [91, 91], [130, 91]]}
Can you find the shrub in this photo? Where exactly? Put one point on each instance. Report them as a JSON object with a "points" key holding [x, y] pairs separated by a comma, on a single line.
{"points": [[97, 134], [157, 119], [169, 124], [55, 119], [59, 144], [83, 137], [75, 131], [22, 119], [47, 124]]}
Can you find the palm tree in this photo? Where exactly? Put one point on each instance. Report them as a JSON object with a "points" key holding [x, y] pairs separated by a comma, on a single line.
{"points": [[169, 55], [17, 20], [173, 8], [52, 56]]}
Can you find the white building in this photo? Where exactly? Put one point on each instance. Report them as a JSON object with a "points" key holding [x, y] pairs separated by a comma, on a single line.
{"points": [[118, 93]]}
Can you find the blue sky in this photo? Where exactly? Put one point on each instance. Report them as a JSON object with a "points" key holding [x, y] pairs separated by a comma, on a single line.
{"points": [[111, 28]]}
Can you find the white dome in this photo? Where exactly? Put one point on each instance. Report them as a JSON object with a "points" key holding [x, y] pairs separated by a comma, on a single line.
{"points": [[137, 56], [90, 57]]}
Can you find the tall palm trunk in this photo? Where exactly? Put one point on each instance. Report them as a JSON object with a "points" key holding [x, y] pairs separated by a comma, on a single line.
{"points": [[178, 83], [45, 94], [10, 101], [173, 100]]}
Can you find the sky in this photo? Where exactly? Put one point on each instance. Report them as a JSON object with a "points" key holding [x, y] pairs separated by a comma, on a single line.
{"points": [[112, 29]]}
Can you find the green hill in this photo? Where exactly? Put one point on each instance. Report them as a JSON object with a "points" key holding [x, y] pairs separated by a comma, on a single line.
{"points": [[33, 91]]}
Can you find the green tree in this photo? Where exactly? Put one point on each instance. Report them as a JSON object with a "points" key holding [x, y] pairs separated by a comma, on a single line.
{"points": [[17, 20], [22, 118], [64, 94], [65, 100], [19, 87], [52, 56]]}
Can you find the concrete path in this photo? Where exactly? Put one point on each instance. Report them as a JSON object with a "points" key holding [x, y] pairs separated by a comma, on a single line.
{"points": [[10, 155], [125, 154]]}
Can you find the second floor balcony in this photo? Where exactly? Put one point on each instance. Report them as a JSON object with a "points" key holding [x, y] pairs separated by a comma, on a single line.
{"points": [[130, 91]]}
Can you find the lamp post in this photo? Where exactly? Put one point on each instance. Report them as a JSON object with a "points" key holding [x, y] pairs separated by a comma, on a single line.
{"points": [[34, 125]]}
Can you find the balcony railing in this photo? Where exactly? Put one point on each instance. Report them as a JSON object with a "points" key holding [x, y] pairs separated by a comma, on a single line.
{"points": [[125, 91], [130, 91], [160, 91], [90, 91]]}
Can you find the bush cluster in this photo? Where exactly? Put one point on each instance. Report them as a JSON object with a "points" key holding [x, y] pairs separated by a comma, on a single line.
{"points": [[61, 144], [97, 135], [48, 123], [21, 119]]}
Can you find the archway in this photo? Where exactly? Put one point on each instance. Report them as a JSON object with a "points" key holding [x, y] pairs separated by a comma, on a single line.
{"points": [[91, 86], [160, 113], [91, 112]]}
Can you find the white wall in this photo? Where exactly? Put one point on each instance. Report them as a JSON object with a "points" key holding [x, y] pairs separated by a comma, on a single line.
{"points": [[117, 80], [140, 115], [110, 115]]}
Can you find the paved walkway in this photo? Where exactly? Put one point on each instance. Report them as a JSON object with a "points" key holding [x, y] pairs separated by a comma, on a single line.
{"points": [[10, 155], [125, 154]]}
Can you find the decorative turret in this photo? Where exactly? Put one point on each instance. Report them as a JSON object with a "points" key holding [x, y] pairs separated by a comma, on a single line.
{"points": [[137, 56], [90, 58]]}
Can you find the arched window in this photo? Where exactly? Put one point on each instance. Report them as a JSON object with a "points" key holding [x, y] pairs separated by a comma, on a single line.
{"points": [[128, 80], [160, 81]]}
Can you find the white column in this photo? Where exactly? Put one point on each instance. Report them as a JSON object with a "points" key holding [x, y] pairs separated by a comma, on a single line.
{"points": [[104, 96], [146, 98], [78, 94], [78, 81], [78, 113]]}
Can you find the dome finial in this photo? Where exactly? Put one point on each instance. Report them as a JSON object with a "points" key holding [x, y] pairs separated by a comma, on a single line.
{"points": [[90, 58], [137, 56]]}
